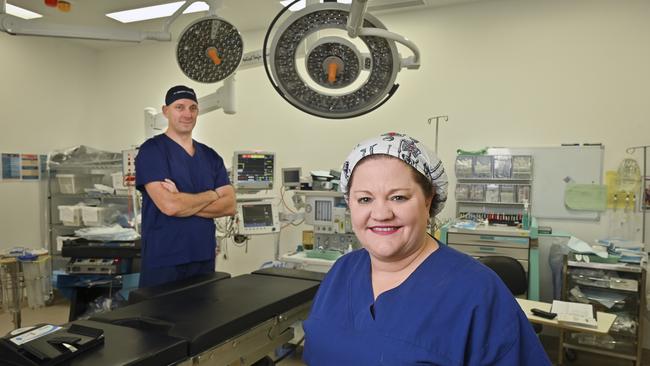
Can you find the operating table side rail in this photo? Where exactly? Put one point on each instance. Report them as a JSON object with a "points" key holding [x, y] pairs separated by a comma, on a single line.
{"points": [[252, 345]]}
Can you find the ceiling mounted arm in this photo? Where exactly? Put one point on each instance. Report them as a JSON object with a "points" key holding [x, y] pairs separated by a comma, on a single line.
{"points": [[16, 26], [213, 6], [412, 62], [355, 20], [355, 28]]}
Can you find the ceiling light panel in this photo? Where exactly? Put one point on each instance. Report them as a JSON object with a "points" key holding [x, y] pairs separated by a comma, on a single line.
{"points": [[22, 13], [155, 12]]}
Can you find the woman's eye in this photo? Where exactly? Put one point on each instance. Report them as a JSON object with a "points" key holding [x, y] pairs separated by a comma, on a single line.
{"points": [[363, 200], [398, 198]]}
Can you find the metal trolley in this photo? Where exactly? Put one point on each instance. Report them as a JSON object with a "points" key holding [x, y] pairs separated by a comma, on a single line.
{"points": [[616, 288], [20, 276]]}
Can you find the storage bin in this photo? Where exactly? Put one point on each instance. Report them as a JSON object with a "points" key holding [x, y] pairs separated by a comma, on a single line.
{"points": [[37, 280], [96, 216], [76, 183], [118, 180], [623, 284], [70, 215]]}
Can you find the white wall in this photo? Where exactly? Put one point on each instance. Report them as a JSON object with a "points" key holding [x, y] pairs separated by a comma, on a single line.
{"points": [[46, 88], [508, 73]]}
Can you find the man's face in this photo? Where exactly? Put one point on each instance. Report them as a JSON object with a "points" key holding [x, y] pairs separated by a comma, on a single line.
{"points": [[182, 116]]}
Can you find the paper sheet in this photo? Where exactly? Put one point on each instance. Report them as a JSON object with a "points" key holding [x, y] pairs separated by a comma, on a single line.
{"points": [[580, 246], [573, 312]]}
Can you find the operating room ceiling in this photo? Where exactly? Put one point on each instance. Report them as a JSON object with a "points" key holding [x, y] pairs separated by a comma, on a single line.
{"points": [[246, 15]]}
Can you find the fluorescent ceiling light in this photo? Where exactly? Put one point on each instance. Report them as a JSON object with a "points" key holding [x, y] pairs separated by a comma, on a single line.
{"points": [[297, 6], [156, 11], [301, 4], [22, 13]]}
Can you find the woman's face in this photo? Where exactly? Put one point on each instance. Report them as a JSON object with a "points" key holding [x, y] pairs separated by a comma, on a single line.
{"points": [[388, 208]]}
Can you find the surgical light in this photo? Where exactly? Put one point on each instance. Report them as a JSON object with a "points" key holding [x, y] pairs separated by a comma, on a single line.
{"points": [[338, 78], [209, 50]]}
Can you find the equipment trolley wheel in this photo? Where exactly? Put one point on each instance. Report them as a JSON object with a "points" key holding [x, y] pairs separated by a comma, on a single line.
{"points": [[266, 361], [570, 355]]}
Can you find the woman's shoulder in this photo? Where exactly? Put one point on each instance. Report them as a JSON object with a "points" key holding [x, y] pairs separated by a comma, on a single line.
{"points": [[346, 268], [458, 261], [335, 286], [351, 261], [463, 271]]}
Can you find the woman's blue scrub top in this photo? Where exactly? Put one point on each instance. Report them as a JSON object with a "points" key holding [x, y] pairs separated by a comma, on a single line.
{"points": [[451, 310]]}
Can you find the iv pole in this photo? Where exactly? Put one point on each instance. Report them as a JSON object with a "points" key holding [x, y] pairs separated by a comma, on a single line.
{"points": [[435, 224], [644, 207], [437, 118]]}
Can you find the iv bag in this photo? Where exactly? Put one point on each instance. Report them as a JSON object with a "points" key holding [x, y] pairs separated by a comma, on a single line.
{"points": [[629, 175]]}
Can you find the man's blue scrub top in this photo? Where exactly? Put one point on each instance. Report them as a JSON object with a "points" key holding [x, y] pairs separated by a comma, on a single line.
{"points": [[451, 311], [167, 240]]}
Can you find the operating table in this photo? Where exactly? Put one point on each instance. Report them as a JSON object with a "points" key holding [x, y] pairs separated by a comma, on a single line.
{"points": [[219, 321]]}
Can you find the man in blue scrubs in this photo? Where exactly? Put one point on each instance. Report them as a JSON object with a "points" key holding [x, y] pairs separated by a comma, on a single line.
{"points": [[184, 186]]}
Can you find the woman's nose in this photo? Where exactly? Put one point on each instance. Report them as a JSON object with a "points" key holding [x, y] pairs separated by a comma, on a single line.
{"points": [[381, 211]]}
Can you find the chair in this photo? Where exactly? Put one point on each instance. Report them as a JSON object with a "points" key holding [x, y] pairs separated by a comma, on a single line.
{"points": [[512, 273]]}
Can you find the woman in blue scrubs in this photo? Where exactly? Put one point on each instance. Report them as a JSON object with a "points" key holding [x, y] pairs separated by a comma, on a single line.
{"points": [[404, 298]]}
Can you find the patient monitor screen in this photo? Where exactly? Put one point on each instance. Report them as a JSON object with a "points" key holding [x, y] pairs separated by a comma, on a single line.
{"points": [[291, 177], [257, 215], [254, 170]]}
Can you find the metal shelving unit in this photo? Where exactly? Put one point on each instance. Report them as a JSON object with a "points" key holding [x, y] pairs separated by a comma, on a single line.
{"points": [[55, 197], [467, 204], [592, 282]]}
